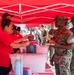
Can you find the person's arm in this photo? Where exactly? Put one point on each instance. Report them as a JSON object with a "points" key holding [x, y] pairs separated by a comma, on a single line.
{"points": [[68, 36], [21, 39], [69, 46], [16, 45]]}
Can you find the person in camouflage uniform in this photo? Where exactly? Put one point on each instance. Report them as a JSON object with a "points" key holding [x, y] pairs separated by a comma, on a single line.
{"points": [[72, 60], [62, 57]]}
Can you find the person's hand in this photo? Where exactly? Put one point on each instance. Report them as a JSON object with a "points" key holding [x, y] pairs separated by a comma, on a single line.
{"points": [[26, 36]]}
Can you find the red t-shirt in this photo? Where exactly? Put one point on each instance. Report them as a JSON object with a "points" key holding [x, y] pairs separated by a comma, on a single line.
{"points": [[17, 36], [5, 48]]}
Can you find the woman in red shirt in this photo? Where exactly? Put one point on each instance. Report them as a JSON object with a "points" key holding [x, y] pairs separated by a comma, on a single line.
{"points": [[7, 43]]}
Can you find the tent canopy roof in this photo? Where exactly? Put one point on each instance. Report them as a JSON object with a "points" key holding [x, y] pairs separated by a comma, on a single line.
{"points": [[37, 11], [35, 2]]}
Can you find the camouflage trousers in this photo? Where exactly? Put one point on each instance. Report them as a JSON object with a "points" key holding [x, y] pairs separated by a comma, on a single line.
{"points": [[62, 64], [72, 64]]}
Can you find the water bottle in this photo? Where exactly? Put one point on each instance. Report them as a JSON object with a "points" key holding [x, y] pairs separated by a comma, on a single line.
{"points": [[18, 65]]}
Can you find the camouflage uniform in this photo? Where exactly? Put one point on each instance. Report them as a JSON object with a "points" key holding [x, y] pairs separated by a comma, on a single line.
{"points": [[62, 57]]}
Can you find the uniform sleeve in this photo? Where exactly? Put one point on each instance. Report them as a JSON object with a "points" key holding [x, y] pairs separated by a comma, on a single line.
{"points": [[70, 37], [6, 39]]}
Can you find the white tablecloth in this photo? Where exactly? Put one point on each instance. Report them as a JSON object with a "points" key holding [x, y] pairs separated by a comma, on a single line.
{"points": [[34, 61]]}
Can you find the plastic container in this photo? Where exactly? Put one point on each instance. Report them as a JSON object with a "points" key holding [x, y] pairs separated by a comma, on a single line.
{"points": [[18, 65]]}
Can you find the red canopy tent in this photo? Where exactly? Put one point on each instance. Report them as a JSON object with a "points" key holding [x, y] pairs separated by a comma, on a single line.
{"points": [[37, 12]]}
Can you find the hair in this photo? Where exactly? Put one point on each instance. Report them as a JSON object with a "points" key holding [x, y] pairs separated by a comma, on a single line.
{"points": [[42, 25], [14, 27], [5, 23], [3, 18], [60, 18], [64, 20], [18, 29]]}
